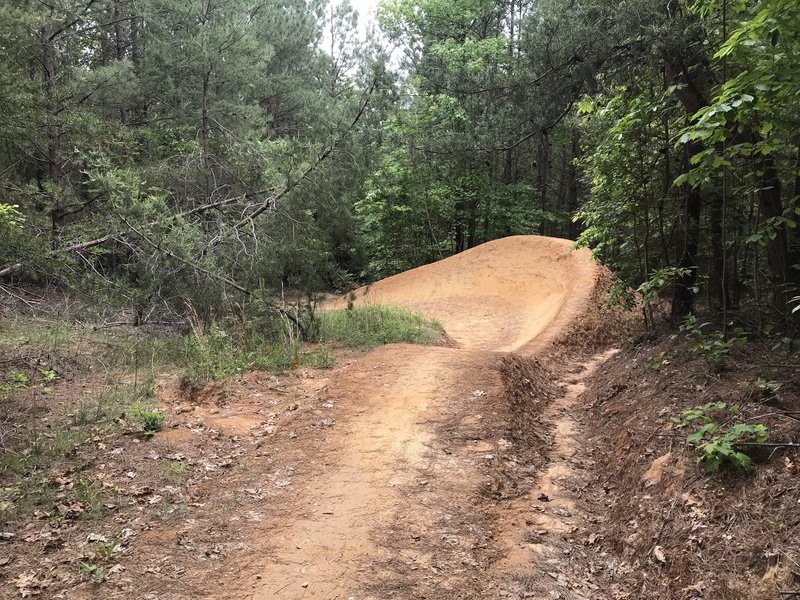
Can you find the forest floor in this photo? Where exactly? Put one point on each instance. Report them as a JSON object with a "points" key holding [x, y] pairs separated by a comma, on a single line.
{"points": [[473, 469]]}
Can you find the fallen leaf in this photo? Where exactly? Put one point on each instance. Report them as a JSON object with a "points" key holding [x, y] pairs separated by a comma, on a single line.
{"points": [[658, 552], [27, 584], [73, 511]]}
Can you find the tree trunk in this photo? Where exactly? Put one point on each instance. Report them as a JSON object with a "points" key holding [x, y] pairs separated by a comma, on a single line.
{"points": [[691, 89], [54, 133], [683, 292], [717, 280], [544, 177], [459, 233], [771, 206], [204, 134], [572, 191], [121, 49]]}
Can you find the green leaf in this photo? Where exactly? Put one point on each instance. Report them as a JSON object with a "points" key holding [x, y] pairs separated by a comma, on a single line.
{"points": [[681, 179]]}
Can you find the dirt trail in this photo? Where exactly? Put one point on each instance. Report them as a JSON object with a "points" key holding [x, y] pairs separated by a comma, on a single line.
{"points": [[414, 495], [385, 446]]}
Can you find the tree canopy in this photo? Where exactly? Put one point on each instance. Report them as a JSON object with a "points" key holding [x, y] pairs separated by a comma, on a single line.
{"points": [[158, 152]]}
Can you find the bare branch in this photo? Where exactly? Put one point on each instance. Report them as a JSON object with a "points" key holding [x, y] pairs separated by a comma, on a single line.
{"points": [[188, 263]]}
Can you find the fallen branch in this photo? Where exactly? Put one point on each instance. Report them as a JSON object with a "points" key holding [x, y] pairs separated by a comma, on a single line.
{"points": [[770, 445], [102, 240], [789, 415]]}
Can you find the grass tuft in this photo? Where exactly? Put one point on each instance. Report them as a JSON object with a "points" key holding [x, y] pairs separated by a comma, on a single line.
{"points": [[374, 325], [216, 355]]}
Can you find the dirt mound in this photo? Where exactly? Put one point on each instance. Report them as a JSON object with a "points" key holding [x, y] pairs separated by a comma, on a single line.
{"points": [[497, 296]]}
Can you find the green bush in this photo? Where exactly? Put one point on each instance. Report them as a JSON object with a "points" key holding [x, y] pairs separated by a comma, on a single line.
{"points": [[714, 347], [720, 429], [151, 419], [375, 325]]}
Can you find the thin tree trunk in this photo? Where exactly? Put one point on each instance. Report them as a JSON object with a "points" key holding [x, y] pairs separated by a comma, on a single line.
{"points": [[572, 187], [777, 247], [683, 292], [544, 176], [54, 133], [717, 290], [204, 134], [121, 50]]}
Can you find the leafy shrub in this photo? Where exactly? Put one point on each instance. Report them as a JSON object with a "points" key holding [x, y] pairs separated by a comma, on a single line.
{"points": [[660, 279], [151, 419], [620, 294], [652, 289], [374, 325], [96, 573], [658, 361], [715, 441], [715, 348]]}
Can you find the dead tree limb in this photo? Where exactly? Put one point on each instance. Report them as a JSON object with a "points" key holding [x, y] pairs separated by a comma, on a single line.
{"points": [[188, 263]]}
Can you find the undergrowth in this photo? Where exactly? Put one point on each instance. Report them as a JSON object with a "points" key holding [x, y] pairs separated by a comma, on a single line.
{"points": [[215, 355], [71, 433], [375, 325], [37, 352], [720, 435]]}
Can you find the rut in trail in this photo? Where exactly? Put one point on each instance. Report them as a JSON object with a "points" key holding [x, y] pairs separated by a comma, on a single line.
{"points": [[407, 501]]}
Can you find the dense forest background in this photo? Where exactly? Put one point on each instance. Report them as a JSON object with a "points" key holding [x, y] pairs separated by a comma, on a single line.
{"points": [[223, 153]]}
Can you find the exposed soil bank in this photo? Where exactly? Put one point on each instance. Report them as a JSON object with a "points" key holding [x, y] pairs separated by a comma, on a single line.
{"points": [[665, 527]]}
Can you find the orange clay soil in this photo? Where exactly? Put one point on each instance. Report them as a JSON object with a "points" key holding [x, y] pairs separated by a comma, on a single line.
{"points": [[370, 518], [505, 296], [407, 477]]}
